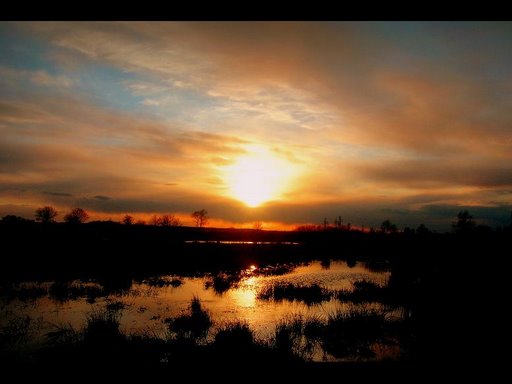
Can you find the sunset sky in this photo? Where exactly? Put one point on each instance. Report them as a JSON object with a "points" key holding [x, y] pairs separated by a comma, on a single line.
{"points": [[280, 122]]}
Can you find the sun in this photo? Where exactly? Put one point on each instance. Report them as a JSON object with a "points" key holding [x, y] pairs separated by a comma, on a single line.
{"points": [[258, 176]]}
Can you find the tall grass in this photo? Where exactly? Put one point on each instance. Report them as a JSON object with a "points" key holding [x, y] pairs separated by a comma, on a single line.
{"points": [[163, 282], [223, 282], [308, 294], [16, 331], [352, 333], [62, 291], [235, 335], [63, 335], [195, 324], [363, 291], [102, 326], [298, 335], [275, 270], [17, 336], [21, 292]]}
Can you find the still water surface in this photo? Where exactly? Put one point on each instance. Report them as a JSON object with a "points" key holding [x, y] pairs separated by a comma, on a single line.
{"points": [[146, 307]]}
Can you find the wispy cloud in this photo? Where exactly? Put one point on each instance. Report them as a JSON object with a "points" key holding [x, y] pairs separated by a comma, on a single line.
{"points": [[59, 194], [44, 78], [101, 197], [382, 118]]}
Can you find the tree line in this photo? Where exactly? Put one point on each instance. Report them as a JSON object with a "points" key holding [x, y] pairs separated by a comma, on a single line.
{"points": [[464, 224], [48, 214]]}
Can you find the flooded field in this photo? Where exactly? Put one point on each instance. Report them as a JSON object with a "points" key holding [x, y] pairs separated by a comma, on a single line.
{"points": [[262, 298]]}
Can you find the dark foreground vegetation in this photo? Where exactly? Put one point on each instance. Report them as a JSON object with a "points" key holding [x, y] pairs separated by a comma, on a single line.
{"points": [[452, 287], [190, 343]]}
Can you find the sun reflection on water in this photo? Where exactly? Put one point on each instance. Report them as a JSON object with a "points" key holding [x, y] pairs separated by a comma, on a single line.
{"points": [[245, 296]]}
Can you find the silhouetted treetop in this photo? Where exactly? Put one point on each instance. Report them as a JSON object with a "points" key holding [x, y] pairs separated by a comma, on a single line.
{"points": [[76, 216], [200, 217], [388, 227], [258, 225], [166, 221], [422, 230], [127, 220], [170, 221], [46, 214], [465, 222]]}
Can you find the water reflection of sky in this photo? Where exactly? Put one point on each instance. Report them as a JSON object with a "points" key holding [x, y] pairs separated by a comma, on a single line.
{"points": [[146, 306]]}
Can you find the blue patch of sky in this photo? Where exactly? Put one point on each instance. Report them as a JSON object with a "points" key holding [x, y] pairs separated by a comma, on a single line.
{"points": [[183, 104], [107, 85], [410, 45], [470, 48], [104, 83], [19, 51]]}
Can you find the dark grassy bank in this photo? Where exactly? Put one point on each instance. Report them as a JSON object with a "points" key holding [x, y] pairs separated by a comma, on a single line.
{"points": [[101, 250], [454, 286], [106, 249]]}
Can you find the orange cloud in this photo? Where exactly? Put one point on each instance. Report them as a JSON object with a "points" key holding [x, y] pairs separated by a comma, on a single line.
{"points": [[396, 114]]}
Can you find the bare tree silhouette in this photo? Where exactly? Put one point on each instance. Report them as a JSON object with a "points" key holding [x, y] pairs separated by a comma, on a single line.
{"points": [[170, 221], [166, 221], [258, 225], [200, 217], [76, 216], [155, 220], [388, 227], [46, 214], [464, 222], [127, 220]]}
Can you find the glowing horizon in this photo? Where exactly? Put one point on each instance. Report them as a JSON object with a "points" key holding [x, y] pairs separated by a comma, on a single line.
{"points": [[274, 122]]}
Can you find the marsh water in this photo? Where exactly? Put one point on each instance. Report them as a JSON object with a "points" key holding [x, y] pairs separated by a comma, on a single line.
{"points": [[145, 305]]}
